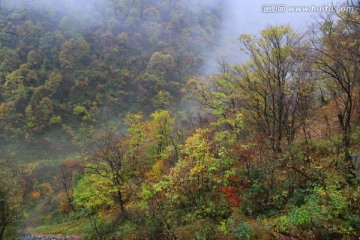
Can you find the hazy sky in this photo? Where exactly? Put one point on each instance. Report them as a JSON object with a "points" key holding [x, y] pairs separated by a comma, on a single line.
{"points": [[247, 16]]}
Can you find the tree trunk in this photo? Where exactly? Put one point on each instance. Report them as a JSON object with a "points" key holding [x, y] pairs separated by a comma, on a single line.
{"points": [[121, 203], [348, 159], [346, 143], [94, 225], [2, 231]]}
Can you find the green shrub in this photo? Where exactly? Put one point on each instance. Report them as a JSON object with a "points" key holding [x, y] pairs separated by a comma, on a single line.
{"points": [[125, 230], [326, 212], [243, 231]]}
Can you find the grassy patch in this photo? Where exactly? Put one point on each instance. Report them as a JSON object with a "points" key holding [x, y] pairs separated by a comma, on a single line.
{"points": [[66, 228]]}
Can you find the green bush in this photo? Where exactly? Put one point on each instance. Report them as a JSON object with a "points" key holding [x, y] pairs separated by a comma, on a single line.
{"points": [[258, 200], [125, 230], [326, 212], [243, 231]]}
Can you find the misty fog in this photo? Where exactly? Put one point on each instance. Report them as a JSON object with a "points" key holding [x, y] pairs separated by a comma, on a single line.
{"points": [[179, 119], [247, 17]]}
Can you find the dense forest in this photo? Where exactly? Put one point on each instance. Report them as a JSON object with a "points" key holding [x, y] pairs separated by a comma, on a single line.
{"points": [[110, 129], [65, 70]]}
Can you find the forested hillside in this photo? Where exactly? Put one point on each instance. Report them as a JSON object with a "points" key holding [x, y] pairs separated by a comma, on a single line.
{"points": [[109, 130], [68, 67]]}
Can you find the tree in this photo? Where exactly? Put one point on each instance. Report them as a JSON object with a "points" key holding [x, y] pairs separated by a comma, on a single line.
{"points": [[123, 39], [193, 180], [66, 177], [162, 100], [110, 161], [151, 139], [92, 194], [12, 60], [274, 83], [34, 58], [269, 92], [9, 16], [337, 58], [160, 67], [11, 197], [44, 110], [161, 133], [221, 99], [53, 81], [161, 63], [73, 51]]}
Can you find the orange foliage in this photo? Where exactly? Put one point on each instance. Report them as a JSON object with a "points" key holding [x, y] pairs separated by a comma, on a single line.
{"points": [[36, 194], [156, 171], [2, 111], [231, 195], [46, 188]]}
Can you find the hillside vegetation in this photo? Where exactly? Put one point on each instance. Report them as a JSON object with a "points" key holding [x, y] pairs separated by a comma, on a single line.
{"points": [[96, 143], [68, 68]]}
